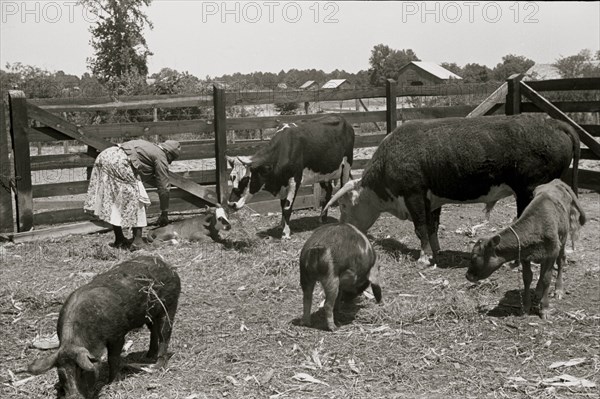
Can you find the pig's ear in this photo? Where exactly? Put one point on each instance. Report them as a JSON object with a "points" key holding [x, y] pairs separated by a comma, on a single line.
{"points": [[43, 364], [84, 359], [495, 240]]}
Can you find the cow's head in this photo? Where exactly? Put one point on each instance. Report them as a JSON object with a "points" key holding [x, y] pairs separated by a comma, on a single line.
{"points": [[484, 260], [359, 205], [221, 220], [77, 373], [249, 179]]}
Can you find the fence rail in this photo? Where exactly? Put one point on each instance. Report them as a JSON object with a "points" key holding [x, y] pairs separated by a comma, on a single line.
{"points": [[35, 204]]}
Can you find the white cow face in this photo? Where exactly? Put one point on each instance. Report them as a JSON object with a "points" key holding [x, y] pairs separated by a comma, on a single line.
{"points": [[240, 168]]}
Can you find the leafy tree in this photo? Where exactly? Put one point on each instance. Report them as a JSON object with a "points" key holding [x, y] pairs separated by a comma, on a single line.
{"points": [[120, 49], [578, 65], [170, 81], [475, 73], [386, 62], [510, 65]]}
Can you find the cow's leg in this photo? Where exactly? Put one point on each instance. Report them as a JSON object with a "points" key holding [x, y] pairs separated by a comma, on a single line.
{"points": [[433, 228], [527, 277], [561, 261], [326, 190], [419, 212], [545, 279], [287, 204], [523, 199]]}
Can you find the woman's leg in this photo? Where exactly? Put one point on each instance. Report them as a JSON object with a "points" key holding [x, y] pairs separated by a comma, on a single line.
{"points": [[120, 240]]}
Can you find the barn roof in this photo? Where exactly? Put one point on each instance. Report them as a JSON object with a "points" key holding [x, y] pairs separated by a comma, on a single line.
{"points": [[308, 84], [334, 83], [434, 69], [542, 72]]}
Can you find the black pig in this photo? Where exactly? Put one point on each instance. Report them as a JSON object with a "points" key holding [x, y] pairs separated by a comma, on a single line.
{"points": [[341, 258], [97, 316]]}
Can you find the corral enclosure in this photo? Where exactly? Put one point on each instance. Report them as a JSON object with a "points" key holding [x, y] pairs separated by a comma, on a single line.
{"points": [[49, 185], [236, 333]]}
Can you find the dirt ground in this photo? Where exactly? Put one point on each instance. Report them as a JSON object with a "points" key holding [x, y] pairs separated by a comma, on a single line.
{"points": [[236, 333]]}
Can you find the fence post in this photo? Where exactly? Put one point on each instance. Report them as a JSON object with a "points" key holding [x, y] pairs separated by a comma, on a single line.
{"points": [[391, 118], [6, 210], [220, 142], [513, 95], [20, 142]]}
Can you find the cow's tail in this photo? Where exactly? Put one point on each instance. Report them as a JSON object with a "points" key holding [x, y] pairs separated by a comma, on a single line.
{"points": [[576, 155]]}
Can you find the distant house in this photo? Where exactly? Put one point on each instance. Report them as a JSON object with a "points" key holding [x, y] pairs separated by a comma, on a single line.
{"points": [[542, 72], [419, 73], [309, 85], [337, 84], [282, 86]]}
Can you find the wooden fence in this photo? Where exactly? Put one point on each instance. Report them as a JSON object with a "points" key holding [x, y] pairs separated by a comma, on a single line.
{"points": [[199, 187]]}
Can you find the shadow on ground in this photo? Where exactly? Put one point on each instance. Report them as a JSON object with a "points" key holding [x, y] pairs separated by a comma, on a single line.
{"points": [[511, 304], [300, 225], [449, 259], [346, 314]]}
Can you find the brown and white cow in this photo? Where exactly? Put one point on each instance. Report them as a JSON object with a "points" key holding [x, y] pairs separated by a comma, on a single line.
{"points": [[424, 164], [312, 151], [539, 235]]}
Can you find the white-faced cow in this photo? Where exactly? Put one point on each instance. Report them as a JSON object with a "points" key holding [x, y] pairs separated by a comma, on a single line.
{"points": [[307, 152], [424, 164]]}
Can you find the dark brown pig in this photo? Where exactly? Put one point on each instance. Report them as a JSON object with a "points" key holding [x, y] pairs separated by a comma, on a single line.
{"points": [[96, 317], [197, 228], [342, 259]]}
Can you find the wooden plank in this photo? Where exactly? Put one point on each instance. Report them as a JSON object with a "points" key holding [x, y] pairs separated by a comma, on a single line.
{"points": [[248, 97], [6, 176], [220, 125], [589, 154], [107, 104], [60, 231], [565, 106], [128, 130], [593, 130], [513, 95], [66, 127], [556, 113], [586, 179], [565, 84], [20, 141], [206, 176], [498, 96], [274, 206], [435, 112], [391, 117]]}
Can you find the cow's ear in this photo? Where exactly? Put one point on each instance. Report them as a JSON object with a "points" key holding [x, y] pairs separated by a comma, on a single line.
{"points": [[495, 240], [230, 161]]}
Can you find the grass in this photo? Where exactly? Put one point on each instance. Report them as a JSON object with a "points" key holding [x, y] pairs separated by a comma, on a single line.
{"points": [[236, 332]]}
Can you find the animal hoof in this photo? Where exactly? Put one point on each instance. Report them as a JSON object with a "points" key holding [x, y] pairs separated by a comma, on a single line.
{"points": [[558, 294], [331, 327], [305, 323]]}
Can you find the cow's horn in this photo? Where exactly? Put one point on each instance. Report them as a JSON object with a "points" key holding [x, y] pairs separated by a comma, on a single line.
{"points": [[245, 160], [351, 185]]}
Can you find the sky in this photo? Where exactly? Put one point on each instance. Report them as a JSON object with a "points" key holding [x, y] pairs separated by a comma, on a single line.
{"points": [[215, 38]]}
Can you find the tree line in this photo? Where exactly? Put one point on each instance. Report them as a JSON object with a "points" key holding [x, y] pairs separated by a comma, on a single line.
{"points": [[119, 65]]}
